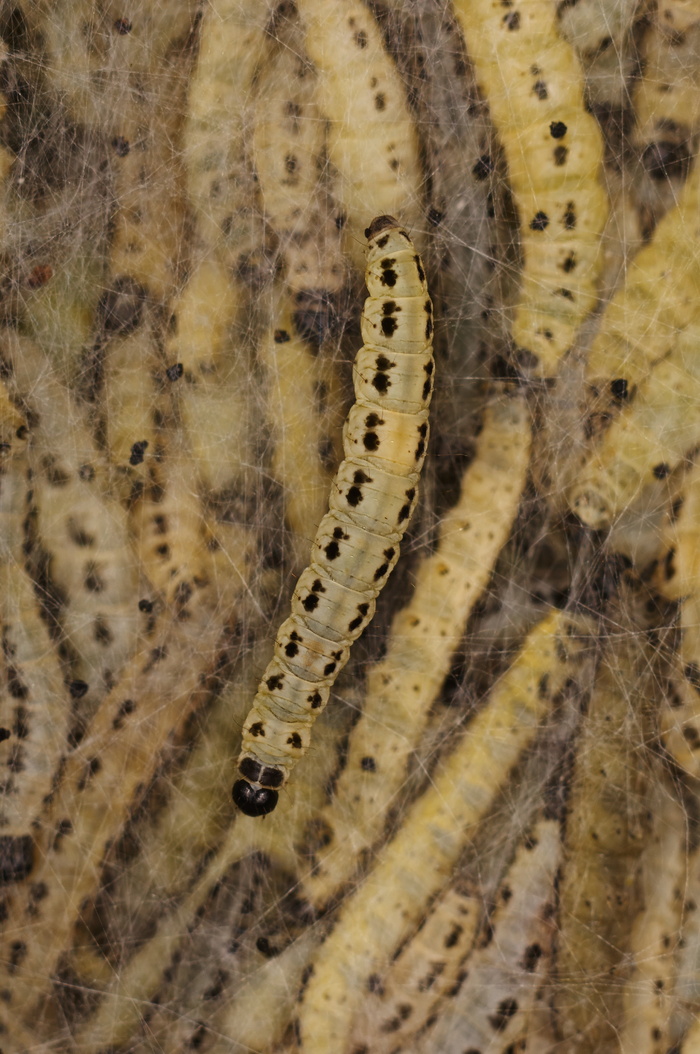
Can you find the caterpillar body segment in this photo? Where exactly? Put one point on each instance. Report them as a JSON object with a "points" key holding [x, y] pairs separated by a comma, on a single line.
{"points": [[607, 827], [35, 705], [357, 544]]}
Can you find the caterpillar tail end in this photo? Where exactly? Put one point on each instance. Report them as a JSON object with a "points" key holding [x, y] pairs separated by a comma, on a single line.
{"points": [[380, 223], [254, 801]]}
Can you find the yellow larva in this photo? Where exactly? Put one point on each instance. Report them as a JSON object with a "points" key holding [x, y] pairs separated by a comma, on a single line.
{"points": [[667, 98], [490, 1010], [412, 867], [400, 1003], [606, 829], [357, 544], [424, 634], [678, 578], [372, 140], [102, 778], [687, 987], [648, 992], [647, 440], [232, 44], [288, 143], [534, 88], [207, 342], [657, 302], [296, 422], [35, 705], [80, 529]]}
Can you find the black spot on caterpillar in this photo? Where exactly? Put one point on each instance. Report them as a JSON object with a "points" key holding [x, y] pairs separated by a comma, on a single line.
{"points": [[357, 543]]}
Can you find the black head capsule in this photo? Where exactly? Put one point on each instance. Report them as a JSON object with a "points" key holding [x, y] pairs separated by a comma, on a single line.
{"points": [[254, 801]]}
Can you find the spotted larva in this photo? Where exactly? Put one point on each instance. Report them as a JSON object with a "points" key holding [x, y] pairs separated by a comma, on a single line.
{"points": [[648, 438], [288, 143], [490, 1009], [678, 578], [687, 987], [534, 88], [398, 1004], [176, 548], [357, 544], [143, 255], [648, 992], [606, 829], [657, 302], [294, 375], [86, 53], [102, 778], [79, 531], [232, 44], [289, 140], [206, 343], [402, 687], [35, 705], [667, 97], [414, 865], [372, 140]]}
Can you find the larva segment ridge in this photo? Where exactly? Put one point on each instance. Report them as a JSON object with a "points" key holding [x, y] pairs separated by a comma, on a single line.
{"points": [[357, 543]]}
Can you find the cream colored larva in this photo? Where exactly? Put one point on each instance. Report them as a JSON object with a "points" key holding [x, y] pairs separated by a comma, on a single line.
{"points": [[357, 543]]}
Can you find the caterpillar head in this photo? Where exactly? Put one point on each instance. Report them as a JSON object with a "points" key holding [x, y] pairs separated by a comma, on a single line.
{"points": [[254, 801]]}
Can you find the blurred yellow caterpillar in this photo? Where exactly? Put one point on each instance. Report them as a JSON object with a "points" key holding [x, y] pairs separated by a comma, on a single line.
{"points": [[553, 148]]}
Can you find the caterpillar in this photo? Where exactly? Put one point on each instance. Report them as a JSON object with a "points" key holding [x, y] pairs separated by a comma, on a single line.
{"points": [[372, 140], [606, 829], [416, 864], [655, 936], [677, 577], [357, 544], [657, 302], [426, 969], [646, 441], [667, 98], [422, 640], [554, 149], [686, 990], [489, 1010], [34, 701]]}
